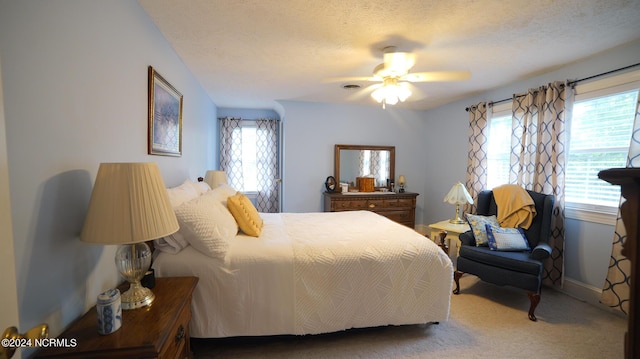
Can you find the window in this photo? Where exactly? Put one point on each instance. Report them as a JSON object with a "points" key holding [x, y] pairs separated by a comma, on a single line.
{"points": [[600, 132], [249, 160], [499, 148], [601, 129]]}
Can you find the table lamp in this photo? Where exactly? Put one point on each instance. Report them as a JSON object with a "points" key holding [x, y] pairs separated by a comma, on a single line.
{"points": [[401, 182], [129, 206], [215, 178], [458, 195]]}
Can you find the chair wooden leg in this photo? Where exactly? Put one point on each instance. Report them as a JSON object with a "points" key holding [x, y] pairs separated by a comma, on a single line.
{"points": [[456, 278], [535, 299]]}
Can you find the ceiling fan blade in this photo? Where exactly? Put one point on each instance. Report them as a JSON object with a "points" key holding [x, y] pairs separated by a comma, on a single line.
{"points": [[350, 79], [438, 76]]}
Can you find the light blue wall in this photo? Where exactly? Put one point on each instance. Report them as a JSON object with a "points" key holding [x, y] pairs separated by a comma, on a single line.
{"points": [[312, 129], [75, 93]]}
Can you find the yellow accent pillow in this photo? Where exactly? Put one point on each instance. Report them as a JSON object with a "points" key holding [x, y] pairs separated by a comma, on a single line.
{"points": [[246, 214]]}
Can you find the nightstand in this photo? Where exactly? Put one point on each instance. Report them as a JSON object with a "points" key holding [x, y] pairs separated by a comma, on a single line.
{"points": [[158, 331], [453, 231]]}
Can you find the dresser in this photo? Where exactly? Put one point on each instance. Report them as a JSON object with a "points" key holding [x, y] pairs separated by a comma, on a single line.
{"points": [[158, 331], [399, 207]]}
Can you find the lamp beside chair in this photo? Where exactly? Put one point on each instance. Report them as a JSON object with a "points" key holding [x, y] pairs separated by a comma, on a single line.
{"points": [[458, 195]]}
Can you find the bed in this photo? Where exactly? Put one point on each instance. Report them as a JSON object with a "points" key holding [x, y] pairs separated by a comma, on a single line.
{"points": [[307, 273]]}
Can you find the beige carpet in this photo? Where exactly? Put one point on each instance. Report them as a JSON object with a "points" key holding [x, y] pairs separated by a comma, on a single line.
{"points": [[486, 321]]}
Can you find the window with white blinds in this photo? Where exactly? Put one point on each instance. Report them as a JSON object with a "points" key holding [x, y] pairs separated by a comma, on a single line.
{"points": [[600, 134], [499, 149]]}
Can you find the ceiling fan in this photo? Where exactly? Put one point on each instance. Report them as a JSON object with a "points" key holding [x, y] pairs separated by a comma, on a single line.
{"points": [[395, 78]]}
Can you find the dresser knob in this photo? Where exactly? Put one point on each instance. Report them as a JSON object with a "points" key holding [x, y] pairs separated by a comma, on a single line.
{"points": [[181, 334], [372, 205]]}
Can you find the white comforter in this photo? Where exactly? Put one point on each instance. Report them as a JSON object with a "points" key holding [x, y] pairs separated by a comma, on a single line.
{"points": [[311, 273]]}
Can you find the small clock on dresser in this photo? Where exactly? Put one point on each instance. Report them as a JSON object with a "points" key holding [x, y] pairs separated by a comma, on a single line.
{"points": [[330, 184]]}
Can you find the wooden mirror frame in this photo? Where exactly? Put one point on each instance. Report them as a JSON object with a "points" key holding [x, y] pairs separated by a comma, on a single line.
{"points": [[392, 158]]}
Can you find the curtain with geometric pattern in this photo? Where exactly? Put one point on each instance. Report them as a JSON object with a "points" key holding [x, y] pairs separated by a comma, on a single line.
{"points": [[538, 148], [617, 286], [267, 164], [476, 176], [231, 150]]}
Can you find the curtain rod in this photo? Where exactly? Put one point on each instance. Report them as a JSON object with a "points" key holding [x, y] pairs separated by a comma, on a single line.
{"points": [[571, 83]]}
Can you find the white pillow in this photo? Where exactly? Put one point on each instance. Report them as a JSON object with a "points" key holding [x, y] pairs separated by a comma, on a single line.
{"points": [[222, 192], [181, 194], [173, 243], [200, 187], [207, 225]]}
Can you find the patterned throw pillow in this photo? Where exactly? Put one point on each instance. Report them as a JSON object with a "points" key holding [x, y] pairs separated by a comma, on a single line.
{"points": [[507, 239], [478, 227]]}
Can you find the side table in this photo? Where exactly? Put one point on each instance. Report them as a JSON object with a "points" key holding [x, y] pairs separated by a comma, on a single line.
{"points": [[453, 232], [158, 331]]}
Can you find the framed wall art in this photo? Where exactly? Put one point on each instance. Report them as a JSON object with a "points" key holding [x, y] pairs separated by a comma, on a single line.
{"points": [[165, 117]]}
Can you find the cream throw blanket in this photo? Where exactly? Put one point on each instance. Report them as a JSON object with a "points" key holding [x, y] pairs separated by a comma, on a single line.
{"points": [[515, 206]]}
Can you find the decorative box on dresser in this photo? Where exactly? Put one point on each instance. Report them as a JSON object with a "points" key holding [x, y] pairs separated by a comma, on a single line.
{"points": [[399, 207], [158, 331]]}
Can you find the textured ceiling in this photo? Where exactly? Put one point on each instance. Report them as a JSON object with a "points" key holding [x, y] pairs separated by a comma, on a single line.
{"points": [[251, 53]]}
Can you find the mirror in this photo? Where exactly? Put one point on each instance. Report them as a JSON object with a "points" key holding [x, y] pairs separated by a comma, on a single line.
{"points": [[353, 161]]}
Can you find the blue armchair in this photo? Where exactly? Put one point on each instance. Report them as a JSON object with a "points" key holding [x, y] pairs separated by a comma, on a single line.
{"points": [[522, 269]]}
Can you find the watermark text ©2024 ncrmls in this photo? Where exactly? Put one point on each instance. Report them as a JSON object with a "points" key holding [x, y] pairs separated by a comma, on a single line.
{"points": [[39, 343]]}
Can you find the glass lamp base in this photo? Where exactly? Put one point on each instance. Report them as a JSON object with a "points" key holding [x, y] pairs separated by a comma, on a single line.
{"points": [[133, 261], [136, 297]]}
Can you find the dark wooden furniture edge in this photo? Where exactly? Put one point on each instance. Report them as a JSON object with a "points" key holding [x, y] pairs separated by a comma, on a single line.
{"points": [[88, 321], [629, 180]]}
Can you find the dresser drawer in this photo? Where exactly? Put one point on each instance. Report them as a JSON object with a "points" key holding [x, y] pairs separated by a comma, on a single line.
{"points": [[403, 217], [350, 205], [399, 203], [374, 204], [399, 207]]}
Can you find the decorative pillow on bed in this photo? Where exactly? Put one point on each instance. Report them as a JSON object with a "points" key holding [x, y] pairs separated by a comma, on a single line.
{"points": [[200, 187], [246, 214], [181, 194], [172, 244], [507, 239], [207, 225], [222, 192], [478, 223]]}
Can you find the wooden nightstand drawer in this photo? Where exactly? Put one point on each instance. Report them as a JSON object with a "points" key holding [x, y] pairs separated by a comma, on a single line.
{"points": [[177, 346], [158, 331]]}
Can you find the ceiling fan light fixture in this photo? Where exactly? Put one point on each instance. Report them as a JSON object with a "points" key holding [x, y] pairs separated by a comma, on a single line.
{"points": [[391, 92]]}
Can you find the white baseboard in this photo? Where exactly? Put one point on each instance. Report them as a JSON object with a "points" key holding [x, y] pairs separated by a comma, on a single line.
{"points": [[585, 293]]}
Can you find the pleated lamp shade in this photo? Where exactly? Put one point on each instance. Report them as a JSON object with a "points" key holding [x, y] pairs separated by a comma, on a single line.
{"points": [[215, 178], [129, 204]]}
